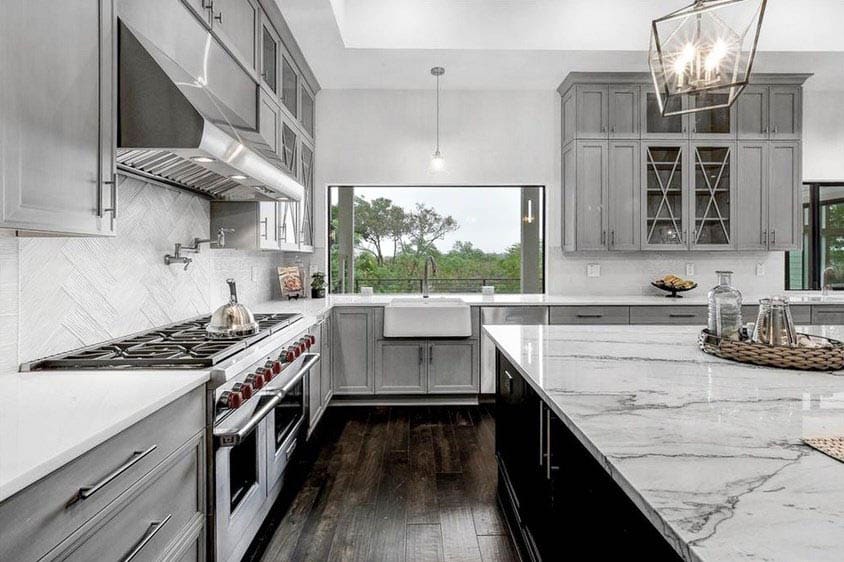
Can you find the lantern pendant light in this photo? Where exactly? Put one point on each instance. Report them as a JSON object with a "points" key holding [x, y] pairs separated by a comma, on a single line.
{"points": [[701, 56], [437, 160]]}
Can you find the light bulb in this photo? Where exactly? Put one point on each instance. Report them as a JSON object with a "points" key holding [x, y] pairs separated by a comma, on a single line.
{"points": [[718, 51], [437, 162]]}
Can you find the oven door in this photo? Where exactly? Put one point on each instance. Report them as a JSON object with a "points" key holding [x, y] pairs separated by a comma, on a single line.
{"points": [[287, 420], [240, 459]]}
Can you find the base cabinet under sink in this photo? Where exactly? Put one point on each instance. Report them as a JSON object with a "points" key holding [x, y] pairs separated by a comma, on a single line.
{"points": [[555, 495], [426, 366]]}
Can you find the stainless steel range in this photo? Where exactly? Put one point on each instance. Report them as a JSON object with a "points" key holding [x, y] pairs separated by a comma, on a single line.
{"points": [[257, 408]]}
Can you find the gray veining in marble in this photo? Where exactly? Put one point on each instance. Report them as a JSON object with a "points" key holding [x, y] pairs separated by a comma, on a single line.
{"points": [[710, 450]]}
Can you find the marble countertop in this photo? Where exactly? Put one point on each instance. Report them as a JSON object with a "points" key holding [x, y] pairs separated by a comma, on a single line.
{"points": [[708, 449], [50, 418]]}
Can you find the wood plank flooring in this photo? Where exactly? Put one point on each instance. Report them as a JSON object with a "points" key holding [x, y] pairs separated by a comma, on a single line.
{"points": [[412, 483]]}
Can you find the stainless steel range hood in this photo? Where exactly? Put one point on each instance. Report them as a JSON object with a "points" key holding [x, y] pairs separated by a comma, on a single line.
{"points": [[173, 128]]}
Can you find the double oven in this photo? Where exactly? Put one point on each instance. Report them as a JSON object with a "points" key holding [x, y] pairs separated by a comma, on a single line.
{"points": [[261, 417]]}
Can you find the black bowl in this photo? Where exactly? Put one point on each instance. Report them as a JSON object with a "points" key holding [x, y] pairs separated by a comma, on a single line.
{"points": [[672, 290]]}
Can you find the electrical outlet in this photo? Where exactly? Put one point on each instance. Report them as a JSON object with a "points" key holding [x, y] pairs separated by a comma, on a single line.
{"points": [[690, 270], [760, 270], [593, 270], [254, 273]]}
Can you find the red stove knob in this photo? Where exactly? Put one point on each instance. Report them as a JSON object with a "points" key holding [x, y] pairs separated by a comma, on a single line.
{"points": [[313, 340], [307, 342], [287, 356], [297, 350], [274, 366], [245, 390], [257, 380], [230, 399]]}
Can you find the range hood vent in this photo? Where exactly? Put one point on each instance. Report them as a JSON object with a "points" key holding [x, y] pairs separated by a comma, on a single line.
{"points": [[172, 128]]}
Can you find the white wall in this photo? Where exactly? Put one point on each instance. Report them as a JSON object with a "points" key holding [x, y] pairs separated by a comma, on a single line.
{"points": [[494, 137], [823, 135]]}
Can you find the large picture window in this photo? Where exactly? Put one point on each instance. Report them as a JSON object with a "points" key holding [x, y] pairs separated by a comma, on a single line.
{"points": [[380, 237], [822, 256]]}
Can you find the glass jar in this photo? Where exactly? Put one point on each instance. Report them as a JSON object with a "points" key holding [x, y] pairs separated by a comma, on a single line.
{"points": [[774, 325], [725, 307]]}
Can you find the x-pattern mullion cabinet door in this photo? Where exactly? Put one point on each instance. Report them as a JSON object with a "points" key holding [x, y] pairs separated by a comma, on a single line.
{"points": [[711, 195], [306, 223], [664, 194]]}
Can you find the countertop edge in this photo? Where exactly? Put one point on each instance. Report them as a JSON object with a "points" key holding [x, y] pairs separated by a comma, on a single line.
{"points": [[677, 543], [36, 473]]}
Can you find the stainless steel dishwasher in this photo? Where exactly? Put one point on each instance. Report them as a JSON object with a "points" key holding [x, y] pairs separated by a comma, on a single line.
{"points": [[503, 315]]}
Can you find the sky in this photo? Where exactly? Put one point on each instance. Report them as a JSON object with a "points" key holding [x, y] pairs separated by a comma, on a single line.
{"points": [[488, 217]]}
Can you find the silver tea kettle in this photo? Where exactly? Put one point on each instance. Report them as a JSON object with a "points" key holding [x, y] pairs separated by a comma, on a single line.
{"points": [[233, 319]]}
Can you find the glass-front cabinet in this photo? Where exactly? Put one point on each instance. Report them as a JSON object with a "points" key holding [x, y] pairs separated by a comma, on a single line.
{"points": [[712, 195], [663, 201], [269, 57], [306, 223], [717, 123], [654, 125]]}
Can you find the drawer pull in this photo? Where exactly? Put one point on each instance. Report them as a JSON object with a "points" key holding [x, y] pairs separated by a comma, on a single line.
{"points": [[152, 530], [681, 315], [87, 491], [590, 315]]}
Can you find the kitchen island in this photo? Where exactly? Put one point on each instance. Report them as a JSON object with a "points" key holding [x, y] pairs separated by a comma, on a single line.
{"points": [[708, 451]]}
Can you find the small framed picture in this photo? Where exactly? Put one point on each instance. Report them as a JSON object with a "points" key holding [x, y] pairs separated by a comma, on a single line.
{"points": [[290, 281]]}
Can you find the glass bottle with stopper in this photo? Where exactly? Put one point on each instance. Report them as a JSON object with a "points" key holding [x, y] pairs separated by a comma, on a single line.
{"points": [[725, 307]]}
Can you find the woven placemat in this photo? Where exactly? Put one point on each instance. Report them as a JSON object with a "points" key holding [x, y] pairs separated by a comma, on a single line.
{"points": [[831, 446]]}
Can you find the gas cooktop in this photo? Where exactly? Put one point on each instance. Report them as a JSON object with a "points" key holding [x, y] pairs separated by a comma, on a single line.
{"points": [[183, 345]]}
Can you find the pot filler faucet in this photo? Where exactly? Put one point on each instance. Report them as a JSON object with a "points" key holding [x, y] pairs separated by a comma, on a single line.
{"points": [[428, 260], [177, 256]]}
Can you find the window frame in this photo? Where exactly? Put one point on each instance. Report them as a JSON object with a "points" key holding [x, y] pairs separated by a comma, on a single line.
{"points": [[814, 207]]}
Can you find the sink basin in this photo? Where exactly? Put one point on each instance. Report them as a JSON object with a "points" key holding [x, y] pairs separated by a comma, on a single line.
{"points": [[427, 318]]}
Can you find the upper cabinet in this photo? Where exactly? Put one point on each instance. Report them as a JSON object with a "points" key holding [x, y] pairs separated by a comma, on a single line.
{"points": [[720, 179], [269, 57], [289, 87], [57, 139], [237, 21]]}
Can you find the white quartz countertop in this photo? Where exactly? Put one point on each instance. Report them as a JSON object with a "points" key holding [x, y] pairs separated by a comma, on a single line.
{"points": [[710, 450], [49, 418]]}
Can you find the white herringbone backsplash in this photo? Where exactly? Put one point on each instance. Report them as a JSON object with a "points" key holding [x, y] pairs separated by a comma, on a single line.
{"points": [[58, 294]]}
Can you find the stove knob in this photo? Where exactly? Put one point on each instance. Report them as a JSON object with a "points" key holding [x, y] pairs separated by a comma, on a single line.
{"points": [[297, 350], [313, 339], [274, 367], [230, 399], [307, 342], [256, 380], [245, 390], [287, 356]]}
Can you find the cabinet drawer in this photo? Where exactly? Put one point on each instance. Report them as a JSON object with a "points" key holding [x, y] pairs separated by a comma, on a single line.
{"points": [[688, 315], [152, 518], [590, 315], [38, 518], [826, 315]]}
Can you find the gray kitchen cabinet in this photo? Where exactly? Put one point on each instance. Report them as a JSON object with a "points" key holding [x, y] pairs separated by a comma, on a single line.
{"points": [[712, 195], [589, 315], [718, 123], [400, 367], [289, 86], [800, 313], [669, 314], [315, 393], [664, 211], [308, 107], [592, 170], [453, 367], [326, 382], [752, 198], [624, 119], [569, 211], [289, 148], [827, 315], [269, 121], [236, 22], [623, 195], [568, 114], [654, 125], [592, 111], [306, 215], [353, 350], [752, 113], [46, 518], [785, 224], [57, 141], [785, 113], [270, 50]]}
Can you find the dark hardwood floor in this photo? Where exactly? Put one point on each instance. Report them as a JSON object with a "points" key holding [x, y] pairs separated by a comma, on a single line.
{"points": [[392, 483]]}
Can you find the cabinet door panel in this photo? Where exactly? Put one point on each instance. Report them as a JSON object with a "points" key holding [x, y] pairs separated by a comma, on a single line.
{"points": [[569, 212], [453, 367], [784, 207], [751, 197], [289, 86], [591, 195], [592, 112], [752, 110], [716, 123], [623, 200], [57, 135], [268, 227], [269, 57], [664, 196], [326, 386], [315, 386], [400, 367], [352, 361], [654, 125], [568, 113], [785, 112], [624, 112], [711, 195], [237, 19], [269, 119]]}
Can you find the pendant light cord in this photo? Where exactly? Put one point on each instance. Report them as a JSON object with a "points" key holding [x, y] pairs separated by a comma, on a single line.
{"points": [[438, 114]]}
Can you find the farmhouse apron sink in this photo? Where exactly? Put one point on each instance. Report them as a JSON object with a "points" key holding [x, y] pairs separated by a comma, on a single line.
{"points": [[427, 318]]}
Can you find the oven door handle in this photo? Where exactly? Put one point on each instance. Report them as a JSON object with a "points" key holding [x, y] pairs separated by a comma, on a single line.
{"points": [[235, 437], [310, 361]]}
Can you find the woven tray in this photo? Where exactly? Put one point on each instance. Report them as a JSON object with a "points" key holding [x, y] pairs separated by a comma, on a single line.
{"points": [[803, 358], [831, 446]]}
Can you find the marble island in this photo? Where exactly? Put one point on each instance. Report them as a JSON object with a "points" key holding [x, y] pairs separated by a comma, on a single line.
{"points": [[709, 450]]}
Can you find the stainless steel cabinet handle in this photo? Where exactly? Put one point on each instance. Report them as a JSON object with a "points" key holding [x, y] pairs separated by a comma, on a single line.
{"points": [[763, 237], [113, 209], [86, 492], [776, 130], [681, 315], [153, 529], [219, 17], [766, 130], [590, 315], [430, 355], [774, 236], [509, 381], [603, 237], [612, 238], [421, 355], [265, 235]]}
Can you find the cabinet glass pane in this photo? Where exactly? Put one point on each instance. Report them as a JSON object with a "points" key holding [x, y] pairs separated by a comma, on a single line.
{"points": [[664, 195], [656, 123], [288, 148], [307, 112], [306, 225], [711, 185], [269, 70], [289, 87], [713, 121]]}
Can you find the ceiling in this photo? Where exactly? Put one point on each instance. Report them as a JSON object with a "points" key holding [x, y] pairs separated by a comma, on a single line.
{"points": [[530, 44]]}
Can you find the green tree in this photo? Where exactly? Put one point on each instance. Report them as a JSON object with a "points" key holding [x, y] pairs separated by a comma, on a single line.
{"points": [[426, 226]]}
